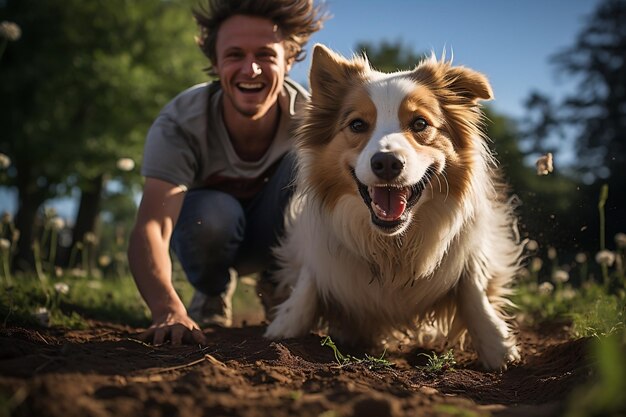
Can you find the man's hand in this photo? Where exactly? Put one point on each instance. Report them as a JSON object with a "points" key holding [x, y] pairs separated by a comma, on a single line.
{"points": [[178, 328]]}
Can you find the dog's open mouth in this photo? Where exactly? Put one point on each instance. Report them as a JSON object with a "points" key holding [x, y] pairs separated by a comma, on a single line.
{"points": [[388, 204]]}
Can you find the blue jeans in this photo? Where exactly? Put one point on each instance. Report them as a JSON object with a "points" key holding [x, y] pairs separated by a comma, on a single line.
{"points": [[215, 231]]}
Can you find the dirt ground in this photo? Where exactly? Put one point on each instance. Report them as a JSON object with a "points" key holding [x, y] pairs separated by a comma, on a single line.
{"points": [[105, 371]]}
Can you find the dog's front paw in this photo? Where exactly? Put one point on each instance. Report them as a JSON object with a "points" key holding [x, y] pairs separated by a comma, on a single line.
{"points": [[498, 357], [294, 317], [283, 328]]}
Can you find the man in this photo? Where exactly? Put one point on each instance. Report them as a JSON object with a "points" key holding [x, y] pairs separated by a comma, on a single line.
{"points": [[217, 165]]}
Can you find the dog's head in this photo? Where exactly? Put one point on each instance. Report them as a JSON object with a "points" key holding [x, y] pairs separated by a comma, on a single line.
{"points": [[394, 140]]}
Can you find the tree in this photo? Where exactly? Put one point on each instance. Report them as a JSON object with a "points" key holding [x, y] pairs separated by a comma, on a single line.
{"points": [[390, 56], [593, 115], [80, 89]]}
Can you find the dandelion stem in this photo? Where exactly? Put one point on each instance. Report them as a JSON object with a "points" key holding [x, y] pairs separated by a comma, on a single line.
{"points": [[73, 255], [53, 250], [85, 259], [3, 46], [38, 265], [5, 266], [604, 195], [44, 239]]}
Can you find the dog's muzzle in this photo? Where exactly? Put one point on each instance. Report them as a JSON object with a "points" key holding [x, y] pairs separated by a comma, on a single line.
{"points": [[389, 203]]}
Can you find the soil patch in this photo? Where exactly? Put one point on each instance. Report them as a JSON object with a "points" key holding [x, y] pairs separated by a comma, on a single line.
{"points": [[105, 371]]}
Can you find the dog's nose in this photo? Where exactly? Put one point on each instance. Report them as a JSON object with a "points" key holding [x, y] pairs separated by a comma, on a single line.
{"points": [[386, 165]]}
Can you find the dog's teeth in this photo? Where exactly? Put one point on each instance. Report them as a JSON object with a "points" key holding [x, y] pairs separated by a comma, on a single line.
{"points": [[380, 213]]}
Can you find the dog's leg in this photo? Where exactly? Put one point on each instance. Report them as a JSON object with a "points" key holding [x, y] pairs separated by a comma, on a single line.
{"points": [[294, 317], [489, 332]]}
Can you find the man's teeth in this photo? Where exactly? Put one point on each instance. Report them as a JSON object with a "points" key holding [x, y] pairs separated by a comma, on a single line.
{"points": [[250, 86]]}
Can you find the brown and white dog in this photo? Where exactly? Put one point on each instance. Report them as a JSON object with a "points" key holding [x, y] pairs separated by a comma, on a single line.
{"points": [[400, 218]]}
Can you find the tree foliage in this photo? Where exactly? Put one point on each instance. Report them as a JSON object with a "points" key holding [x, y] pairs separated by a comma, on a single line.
{"points": [[390, 56], [592, 118], [81, 87]]}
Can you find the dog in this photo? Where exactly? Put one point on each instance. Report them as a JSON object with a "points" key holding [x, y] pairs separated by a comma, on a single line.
{"points": [[400, 219]]}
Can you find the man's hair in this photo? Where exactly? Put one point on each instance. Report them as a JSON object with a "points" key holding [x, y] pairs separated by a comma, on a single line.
{"points": [[297, 20]]}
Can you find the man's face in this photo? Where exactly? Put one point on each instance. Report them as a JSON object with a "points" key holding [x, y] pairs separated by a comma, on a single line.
{"points": [[251, 64]]}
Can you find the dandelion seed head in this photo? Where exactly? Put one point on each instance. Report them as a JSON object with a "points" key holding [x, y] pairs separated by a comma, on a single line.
{"points": [[42, 315], [536, 264], [56, 223], [605, 257], [78, 273], [568, 293], [5, 161], [10, 31], [125, 164], [551, 253], [560, 276], [62, 288], [545, 288], [532, 245], [6, 217], [104, 261], [581, 257], [620, 240], [5, 244], [90, 237]]}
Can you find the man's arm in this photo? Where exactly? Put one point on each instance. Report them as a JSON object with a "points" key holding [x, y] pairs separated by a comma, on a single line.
{"points": [[151, 265]]}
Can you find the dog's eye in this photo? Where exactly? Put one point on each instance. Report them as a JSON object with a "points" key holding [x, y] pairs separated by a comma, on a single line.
{"points": [[419, 124], [358, 126]]}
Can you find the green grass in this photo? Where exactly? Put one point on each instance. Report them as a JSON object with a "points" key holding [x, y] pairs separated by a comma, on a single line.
{"points": [[370, 362], [603, 317], [110, 299], [107, 299], [439, 363], [604, 394], [590, 310]]}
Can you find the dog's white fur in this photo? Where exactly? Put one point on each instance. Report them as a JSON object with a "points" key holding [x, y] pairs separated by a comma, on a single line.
{"points": [[450, 261]]}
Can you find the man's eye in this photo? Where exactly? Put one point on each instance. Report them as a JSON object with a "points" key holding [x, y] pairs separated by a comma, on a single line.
{"points": [[266, 56], [233, 55], [358, 126]]}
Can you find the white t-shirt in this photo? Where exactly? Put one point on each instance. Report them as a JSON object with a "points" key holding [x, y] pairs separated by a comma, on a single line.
{"points": [[188, 144]]}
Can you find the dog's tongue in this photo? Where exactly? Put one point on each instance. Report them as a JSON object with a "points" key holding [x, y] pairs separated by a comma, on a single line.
{"points": [[389, 203]]}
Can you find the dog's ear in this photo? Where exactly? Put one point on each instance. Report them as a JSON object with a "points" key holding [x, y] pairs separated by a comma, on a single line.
{"points": [[331, 74], [470, 84]]}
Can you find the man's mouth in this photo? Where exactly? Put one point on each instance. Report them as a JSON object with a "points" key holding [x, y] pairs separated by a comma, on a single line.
{"points": [[389, 204], [250, 87]]}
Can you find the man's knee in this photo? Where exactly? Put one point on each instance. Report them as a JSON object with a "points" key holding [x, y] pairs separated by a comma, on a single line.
{"points": [[209, 218]]}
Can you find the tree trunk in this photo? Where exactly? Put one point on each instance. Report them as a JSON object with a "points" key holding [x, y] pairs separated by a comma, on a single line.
{"points": [[25, 223], [87, 218]]}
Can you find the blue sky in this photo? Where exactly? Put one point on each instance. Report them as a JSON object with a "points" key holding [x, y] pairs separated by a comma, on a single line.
{"points": [[510, 41]]}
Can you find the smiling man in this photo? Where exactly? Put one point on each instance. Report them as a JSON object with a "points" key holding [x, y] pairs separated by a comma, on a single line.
{"points": [[217, 165]]}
